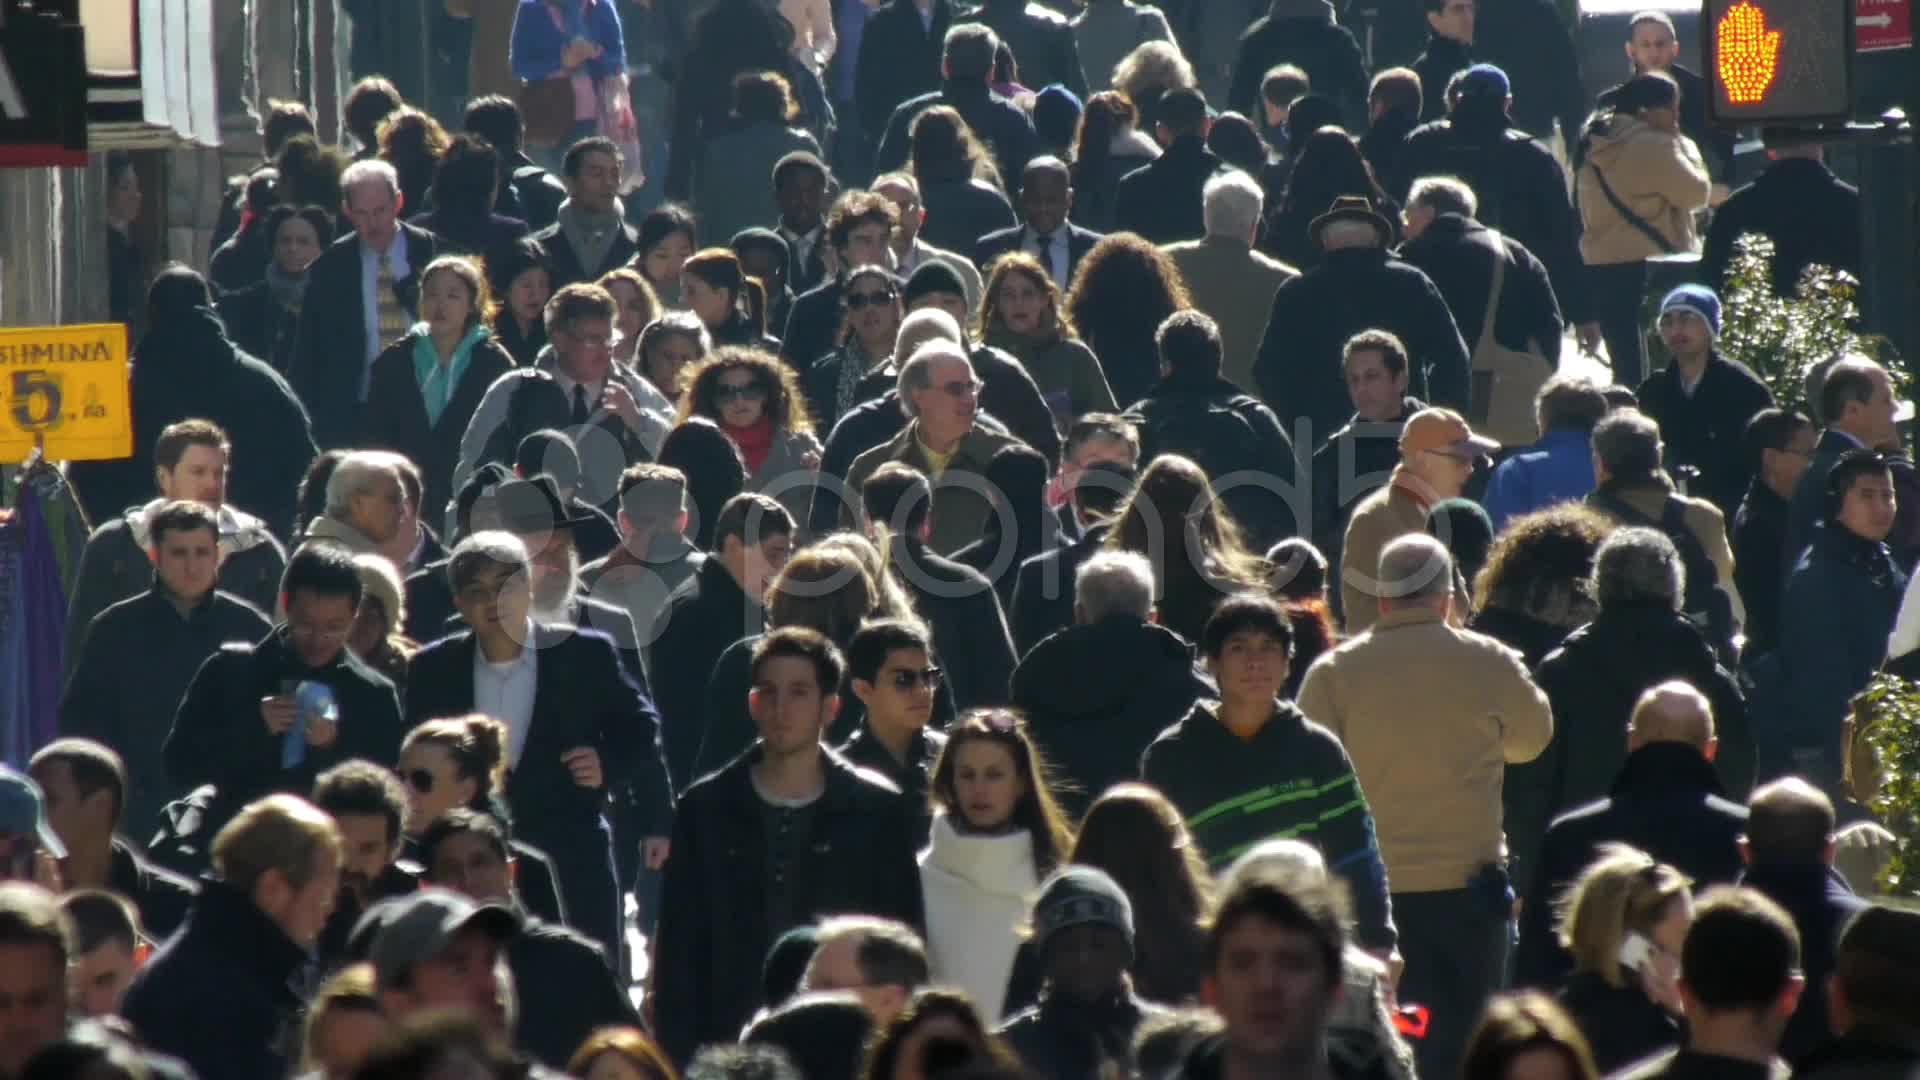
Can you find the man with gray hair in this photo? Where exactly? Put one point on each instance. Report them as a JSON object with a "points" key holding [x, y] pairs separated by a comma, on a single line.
{"points": [[1228, 279], [1500, 296], [1639, 640], [1094, 730], [366, 505], [1434, 777], [940, 395], [362, 294]]}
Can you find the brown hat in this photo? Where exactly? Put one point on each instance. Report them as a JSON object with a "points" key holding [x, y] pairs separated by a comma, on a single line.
{"points": [[1444, 430], [1352, 208]]}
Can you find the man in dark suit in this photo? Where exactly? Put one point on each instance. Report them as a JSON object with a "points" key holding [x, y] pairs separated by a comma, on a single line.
{"points": [[590, 236], [801, 186], [899, 58], [1046, 196], [578, 726], [966, 67], [1162, 200], [1666, 801], [362, 294]]}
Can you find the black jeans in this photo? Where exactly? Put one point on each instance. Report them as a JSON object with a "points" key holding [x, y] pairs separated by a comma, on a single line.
{"points": [[1455, 946], [1617, 290]]}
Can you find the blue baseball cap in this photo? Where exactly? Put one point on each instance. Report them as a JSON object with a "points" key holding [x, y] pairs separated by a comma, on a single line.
{"points": [[23, 811], [1485, 80]]}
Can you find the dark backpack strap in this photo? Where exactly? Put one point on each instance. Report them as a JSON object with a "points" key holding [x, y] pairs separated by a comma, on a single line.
{"points": [[1631, 218]]}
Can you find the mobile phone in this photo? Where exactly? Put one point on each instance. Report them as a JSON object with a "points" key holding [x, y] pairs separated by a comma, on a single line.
{"points": [[1635, 952]]}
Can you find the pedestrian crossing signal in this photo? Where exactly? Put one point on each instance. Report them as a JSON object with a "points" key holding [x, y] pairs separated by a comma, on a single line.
{"points": [[1779, 61]]}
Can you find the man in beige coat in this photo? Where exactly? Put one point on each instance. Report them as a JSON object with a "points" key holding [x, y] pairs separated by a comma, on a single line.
{"points": [[1437, 452], [1432, 716], [1226, 277]]}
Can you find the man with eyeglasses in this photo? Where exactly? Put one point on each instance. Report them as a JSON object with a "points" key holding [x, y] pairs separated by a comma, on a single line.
{"points": [[270, 717], [909, 250], [890, 669], [941, 394], [1437, 454]]}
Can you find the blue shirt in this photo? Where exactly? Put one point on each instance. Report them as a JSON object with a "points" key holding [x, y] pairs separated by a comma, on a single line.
{"points": [[1559, 468]]}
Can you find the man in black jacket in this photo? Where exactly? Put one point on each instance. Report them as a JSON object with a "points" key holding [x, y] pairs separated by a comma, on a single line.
{"points": [[1532, 43], [787, 832], [579, 726], [721, 604], [1872, 999], [466, 852], [1358, 286], [273, 715], [1357, 459], [1046, 197], [1043, 44], [1097, 477], [1702, 400], [85, 785], [1163, 199], [966, 71], [1856, 409], [900, 52], [362, 294], [137, 658], [1449, 51], [1447, 242], [1652, 45], [1302, 33], [970, 634], [890, 670], [221, 994], [589, 236], [1666, 800], [368, 805], [1811, 215], [1778, 444], [527, 191]]}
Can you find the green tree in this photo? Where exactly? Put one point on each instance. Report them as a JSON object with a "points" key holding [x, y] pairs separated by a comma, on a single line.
{"points": [[1784, 339]]}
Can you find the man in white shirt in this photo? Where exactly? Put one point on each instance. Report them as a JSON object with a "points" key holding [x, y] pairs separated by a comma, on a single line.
{"points": [[1046, 197]]}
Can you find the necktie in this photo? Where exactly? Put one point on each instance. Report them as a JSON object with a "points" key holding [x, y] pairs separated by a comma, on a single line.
{"points": [[394, 317], [579, 404], [1043, 247]]}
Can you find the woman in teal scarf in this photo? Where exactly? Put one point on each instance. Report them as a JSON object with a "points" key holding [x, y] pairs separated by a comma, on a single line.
{"points": [[426, 386]]}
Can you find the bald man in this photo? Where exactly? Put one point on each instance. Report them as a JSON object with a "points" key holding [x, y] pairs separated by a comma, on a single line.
{"points": [[1666, 800], [1046, 197]]}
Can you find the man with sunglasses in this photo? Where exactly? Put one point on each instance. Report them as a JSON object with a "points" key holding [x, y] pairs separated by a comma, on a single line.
{"points": [[1437, 454], [270, 717], [890, 669]]}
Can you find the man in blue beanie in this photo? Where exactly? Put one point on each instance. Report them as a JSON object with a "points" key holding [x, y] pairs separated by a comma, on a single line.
{"points": [[1702, 400]]}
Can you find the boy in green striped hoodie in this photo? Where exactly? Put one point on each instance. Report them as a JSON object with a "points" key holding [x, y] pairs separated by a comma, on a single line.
{"points": [[1252, 767]]}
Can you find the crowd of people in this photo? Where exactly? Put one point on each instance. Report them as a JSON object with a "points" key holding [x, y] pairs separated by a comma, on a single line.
{"points": [[1016, 571]]}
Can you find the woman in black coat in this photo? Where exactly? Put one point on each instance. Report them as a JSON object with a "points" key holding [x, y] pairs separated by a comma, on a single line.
{"points": [[426, 386], [1122, 291], [521, 281], [1327, 165], [1627, 916], [959, 185], [464, 184], [262, 317]]}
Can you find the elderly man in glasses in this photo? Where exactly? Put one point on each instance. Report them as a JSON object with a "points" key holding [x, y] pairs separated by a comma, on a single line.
{"points": [[941, 396]]}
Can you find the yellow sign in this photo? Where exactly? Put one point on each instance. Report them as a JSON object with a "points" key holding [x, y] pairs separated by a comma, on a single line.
{"points": [[68, 386]]}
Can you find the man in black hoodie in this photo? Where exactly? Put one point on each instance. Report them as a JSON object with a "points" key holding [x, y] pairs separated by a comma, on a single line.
{"points": [[1449, 51], [1302, 33]]}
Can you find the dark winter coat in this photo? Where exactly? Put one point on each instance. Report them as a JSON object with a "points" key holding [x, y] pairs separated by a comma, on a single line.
{"points": [[1521, 189], [396, 412], [1043, 595], [1161, 199], [970, 635], [1666, 801], [713, 931], [259, 325], [1224, 431], [1707, 428], [130, 672], [813, 324], [701, 619], [899, 59], [1821, 904], [471, 234], [1043, 43], [1759, 533], [1064, 1039], [1811, 215], [186, 368], [913, 777], [1593, 682], [1865, 1052], [218, 736], [567, 992], [564, 265], [961, 210], [1384, 147], [1530, 41], [1322, 48], [241, 261], [161, 897], [1443, 59], [1458, 253], [1352, 1054], [1621, 1023], [224, 993], [329, 357], [1313, 315], [530, 193], [1001, 127], [1093, 730], [1532, 638], [1808, 506], [1351, 465]]}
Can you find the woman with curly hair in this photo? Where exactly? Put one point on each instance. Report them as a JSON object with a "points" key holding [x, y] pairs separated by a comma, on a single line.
{"points": [[668, 347], [1020, 312], [731, 302], [413, 143], [1327, 165], [756, 400], [1148, 72], [1134, 834], [960, 188], [1536, 586], [997, 832], [1199, 554], [1124, 289], [1107, 146]]}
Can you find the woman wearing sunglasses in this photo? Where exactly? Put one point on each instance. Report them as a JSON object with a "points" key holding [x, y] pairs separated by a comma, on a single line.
{"points": [[857, 371], [461, 761], [756, 400]]}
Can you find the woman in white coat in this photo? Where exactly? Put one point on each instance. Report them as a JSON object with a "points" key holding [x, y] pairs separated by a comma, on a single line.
{"points": [[997, 831]]}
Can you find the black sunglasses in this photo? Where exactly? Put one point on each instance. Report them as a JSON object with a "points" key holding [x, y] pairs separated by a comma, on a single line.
{"points": [[420, 780], [856, 301], [908, 679], [726, 392]]}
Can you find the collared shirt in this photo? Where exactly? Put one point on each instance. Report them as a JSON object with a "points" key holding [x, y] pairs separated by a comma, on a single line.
{"points": [[802, 244], [505, 690], [370, 296], [594, 390], [1056, 255]]}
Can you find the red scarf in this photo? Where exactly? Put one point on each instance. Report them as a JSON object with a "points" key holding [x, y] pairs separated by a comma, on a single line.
{"points": [[755, 441]]}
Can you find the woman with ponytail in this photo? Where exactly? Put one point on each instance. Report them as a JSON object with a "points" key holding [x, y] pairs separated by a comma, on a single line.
{"points": [[730, 302]]}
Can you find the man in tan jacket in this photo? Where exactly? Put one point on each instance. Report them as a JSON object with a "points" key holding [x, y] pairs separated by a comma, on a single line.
{"points": [[1228, 279], [1437, 452], [1431, 716]]}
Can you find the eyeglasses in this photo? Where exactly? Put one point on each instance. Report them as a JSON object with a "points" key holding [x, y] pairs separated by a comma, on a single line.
{"points": [[740, 392], [906, 679], [420, 780], [856, 301], [967, 389], [1455, 457]]}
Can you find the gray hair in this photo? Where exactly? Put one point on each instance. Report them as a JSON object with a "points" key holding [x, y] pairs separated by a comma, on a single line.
{"points": [[1414, 569], [1231, 204], [489, 547], [1444, 195], [367, 172], [1636, 567], [357, 474], [917, 373], [927, 324], [1114, 583]]}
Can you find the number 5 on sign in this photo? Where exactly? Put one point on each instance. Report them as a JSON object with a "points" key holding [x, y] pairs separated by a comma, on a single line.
{"points": [[66, 385]]}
